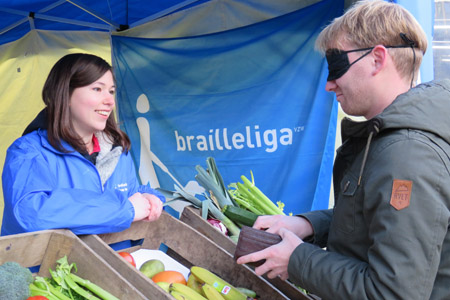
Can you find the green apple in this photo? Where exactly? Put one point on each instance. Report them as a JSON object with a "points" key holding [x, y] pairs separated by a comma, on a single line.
{"points": [[152, 267]]}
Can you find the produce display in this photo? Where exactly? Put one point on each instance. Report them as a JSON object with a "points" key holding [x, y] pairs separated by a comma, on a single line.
{"points": [[228, 209], [201, 284]]}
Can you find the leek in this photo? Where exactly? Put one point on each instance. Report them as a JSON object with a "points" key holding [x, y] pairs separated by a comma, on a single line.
{"points": [[210, 185], [215, 212], [215, 174]]}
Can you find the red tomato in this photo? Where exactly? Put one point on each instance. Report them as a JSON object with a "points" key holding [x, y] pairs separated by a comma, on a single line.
{"points": [[37, 298], [128, 257]]}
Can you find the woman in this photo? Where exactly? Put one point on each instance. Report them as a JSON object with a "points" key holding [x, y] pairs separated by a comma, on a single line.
{"points": [[72, 167]]}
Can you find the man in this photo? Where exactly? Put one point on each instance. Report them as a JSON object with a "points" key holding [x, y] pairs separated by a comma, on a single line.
{"points": [[388, 234]]}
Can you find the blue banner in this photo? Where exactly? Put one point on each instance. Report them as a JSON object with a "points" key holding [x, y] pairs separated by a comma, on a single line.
{"points": [[253, 98]]}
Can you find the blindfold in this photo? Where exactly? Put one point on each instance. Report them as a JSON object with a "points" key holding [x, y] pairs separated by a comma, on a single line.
{"points": [[338, 63]]}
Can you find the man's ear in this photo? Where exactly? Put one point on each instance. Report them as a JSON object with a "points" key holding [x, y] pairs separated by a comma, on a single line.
{"points": [[380, 56]]}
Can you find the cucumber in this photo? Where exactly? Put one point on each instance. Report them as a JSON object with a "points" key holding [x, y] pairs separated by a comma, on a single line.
{"points": [[240, 215]]}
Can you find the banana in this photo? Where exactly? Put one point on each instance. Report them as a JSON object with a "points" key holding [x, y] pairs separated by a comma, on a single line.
{"points": [[194, 284], [211, 293], [228, 291], [186, 291], [178, 296], [164, 285], [247, 292]]}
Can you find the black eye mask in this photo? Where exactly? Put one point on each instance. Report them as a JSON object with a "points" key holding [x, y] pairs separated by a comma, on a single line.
{"points": [[338, 63]]}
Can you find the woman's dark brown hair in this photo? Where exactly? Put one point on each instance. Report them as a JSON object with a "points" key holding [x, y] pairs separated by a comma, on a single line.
{"points": [[70, 72]]}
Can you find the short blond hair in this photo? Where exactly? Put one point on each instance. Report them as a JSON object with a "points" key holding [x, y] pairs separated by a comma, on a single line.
{"points": [[375, 22]]}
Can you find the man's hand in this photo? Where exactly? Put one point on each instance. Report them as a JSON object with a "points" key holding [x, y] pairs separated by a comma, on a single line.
{"points": [[276, 256], [274, 223]]}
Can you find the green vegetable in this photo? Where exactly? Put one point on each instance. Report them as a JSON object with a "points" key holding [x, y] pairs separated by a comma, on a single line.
{"points": [[240, 215], [92, 287], [43, 287], [210, 185], [14, 281], [217, 196], [65, 285], [233, 229], [248, 196], [247, 292], [214, 173]]}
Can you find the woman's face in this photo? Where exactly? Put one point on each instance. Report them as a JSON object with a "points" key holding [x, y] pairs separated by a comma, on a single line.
{"points": [[91, 105]]}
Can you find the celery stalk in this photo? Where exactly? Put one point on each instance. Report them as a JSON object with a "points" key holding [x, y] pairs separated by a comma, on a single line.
{"points": [[93, 288], [242, 202], [77, 289], [260, 205], [261, 197], [49, 292], [248, 196]]}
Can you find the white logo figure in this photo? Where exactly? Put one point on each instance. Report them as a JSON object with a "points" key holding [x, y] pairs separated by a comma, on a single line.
{"points": [[147, 158]]}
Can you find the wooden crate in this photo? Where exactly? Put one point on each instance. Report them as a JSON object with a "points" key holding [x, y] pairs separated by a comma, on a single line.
{"points": [[192, 217], [187, 246], [44, 248]]}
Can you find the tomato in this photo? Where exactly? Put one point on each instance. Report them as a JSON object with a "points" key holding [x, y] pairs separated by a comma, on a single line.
{"points": [[128, 257], [37, 298], [170, 277]]}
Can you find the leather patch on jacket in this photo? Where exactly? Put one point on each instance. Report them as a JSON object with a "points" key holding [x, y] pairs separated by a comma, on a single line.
{"points": [[401, 193]]}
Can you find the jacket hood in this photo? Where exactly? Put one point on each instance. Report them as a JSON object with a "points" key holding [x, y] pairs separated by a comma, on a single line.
{"points": [[40, 122], [425, 107]]}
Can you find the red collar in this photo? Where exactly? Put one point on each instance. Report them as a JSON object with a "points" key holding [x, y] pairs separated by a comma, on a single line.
{"points": [[96, 144]]}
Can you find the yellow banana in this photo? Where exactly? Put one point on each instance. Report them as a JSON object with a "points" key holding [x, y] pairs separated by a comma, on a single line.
{"points": [[228, 291], [194, 284], [183, 289], [211, 293], [178, 296]]}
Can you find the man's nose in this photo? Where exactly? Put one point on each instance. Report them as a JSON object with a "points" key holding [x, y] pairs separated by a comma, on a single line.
{"points": [[330, 86]]}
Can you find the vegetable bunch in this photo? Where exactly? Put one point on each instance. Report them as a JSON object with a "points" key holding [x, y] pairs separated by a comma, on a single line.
{"points": [[248, 196], [216, 194], [231, 206], [65, 285]]}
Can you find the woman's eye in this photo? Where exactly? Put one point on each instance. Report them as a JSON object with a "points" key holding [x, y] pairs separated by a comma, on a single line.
{"points": [[97, 89], [112, 92]]}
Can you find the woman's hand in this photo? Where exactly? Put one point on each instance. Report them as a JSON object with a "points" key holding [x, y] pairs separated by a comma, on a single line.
{"points": [[141, 206], [156, 207]]}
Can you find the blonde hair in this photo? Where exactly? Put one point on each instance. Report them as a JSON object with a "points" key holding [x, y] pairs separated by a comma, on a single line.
{"points": [[375, 22]]}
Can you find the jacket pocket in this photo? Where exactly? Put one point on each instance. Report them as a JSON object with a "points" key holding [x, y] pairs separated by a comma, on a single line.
{"points": [[344, 209]]}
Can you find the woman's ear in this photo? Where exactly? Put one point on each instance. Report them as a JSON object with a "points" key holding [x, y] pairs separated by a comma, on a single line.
{"points": [[380, 56]]}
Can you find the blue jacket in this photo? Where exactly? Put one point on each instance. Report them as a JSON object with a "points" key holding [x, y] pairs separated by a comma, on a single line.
{"points": [[44, 188]]}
